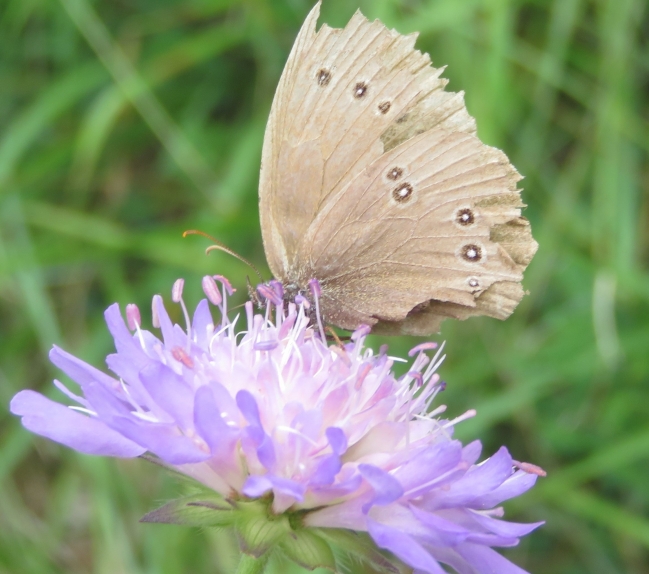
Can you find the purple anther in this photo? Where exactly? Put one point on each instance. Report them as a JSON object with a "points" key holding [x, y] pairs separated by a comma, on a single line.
{"points": [[417, 376], [277, 287], [225, 283], [181, 356], [133, 316], [211, 290], [265, 345], [302, 300], [362, 373], [314, 287], [361, 331], [268, 293], [530, 468], [177, 290], [428, 346]]}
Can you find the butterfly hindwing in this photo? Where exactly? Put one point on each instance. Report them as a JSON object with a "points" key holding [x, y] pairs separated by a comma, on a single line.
{"points": [[417, 225]]}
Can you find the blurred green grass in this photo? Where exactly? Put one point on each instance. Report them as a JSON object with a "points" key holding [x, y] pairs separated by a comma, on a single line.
{"points": [[123, 124]]}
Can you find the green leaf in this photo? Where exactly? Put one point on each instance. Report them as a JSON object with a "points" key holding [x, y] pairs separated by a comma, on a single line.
{"points": [[28, 126]]}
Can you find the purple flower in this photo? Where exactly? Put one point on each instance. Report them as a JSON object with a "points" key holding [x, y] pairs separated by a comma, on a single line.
{"points": [[325, 435]]}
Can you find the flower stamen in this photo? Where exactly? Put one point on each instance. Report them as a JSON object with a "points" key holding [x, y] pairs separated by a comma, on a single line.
{"points": [[177, 297], [316, 291], [467, 415]]}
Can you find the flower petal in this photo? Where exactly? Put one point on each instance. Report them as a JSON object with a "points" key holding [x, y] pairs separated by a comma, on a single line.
{"points": [[471, 452], [209, 423], [404, 547], [440, 532], [161, 439], [61, 424], [249, 409], [170, 392], [129, 372], [263, 443], [288, 487], [430, 467], [256, 486], [80, 372], [516, 484], [124, 342], [202, 323], [387, 489], [503, 528], [486, 561], [166, 326], [337, 440], [477, 482], [326, 471]]}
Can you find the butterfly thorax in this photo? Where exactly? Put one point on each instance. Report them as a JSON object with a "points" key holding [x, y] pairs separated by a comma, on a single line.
{"points": [[285, 294], [293, 291]]}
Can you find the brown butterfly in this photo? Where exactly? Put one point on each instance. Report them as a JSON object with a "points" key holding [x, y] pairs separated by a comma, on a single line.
{"points": [[374, 182]]}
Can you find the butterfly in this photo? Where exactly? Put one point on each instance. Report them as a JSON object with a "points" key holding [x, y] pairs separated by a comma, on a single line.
{"points": [[374, 182]]}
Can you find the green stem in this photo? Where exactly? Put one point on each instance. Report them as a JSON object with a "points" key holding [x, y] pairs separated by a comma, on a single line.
{"points": [[251, 564]]}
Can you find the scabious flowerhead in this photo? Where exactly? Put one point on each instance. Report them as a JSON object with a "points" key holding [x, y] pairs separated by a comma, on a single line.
{"points": [[308, 442]]}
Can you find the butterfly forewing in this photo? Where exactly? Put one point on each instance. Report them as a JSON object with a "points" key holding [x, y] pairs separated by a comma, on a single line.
{"points": [[374, 182]]}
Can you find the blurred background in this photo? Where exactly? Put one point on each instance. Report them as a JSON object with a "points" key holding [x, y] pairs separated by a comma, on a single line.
{"points": [[123, 123]]}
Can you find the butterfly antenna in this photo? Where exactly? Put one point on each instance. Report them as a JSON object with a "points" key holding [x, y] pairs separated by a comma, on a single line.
{"points": [[218, 246], [333, 335], [252, 293]]}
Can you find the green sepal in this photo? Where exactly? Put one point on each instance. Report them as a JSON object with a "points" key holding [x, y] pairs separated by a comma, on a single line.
{"points": [[352, 548], [196, 510], [258, 529], [251, 564], [307, 549]]}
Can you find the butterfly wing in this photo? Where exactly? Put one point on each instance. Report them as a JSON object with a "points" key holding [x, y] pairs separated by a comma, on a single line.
{"points": [[431, 229], [277, 206], [324, 126], [359, 119]]}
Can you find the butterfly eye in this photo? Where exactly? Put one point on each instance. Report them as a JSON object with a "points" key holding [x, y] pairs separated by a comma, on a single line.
{"points": [[360, 90], [402, 193], [465, 217], [471, 253], [323, 76], [384, 107], [395, 173]]}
